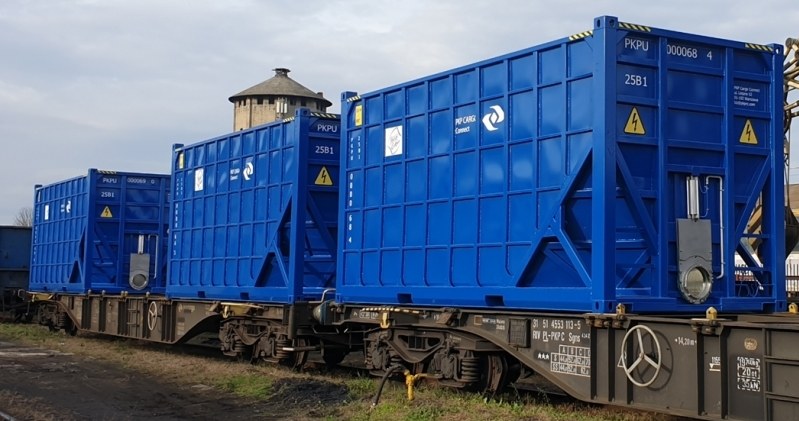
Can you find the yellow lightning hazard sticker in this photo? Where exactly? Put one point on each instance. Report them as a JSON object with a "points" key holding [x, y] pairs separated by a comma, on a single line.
{"points": [[106, 213], [323, 179], [748, 135], [634, 123]]}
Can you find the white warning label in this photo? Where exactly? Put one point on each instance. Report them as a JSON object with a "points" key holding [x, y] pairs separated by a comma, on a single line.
{"points": [[199, 179], [393, 141]]}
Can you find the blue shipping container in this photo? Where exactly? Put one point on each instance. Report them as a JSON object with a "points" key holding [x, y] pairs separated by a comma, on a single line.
{"points": [[105, 231], [15, 258], [619, 165], [15, 247], [254, 213]]}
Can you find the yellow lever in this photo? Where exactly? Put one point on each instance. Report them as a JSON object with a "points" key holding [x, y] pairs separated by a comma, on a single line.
{"points": [[410, 379]]}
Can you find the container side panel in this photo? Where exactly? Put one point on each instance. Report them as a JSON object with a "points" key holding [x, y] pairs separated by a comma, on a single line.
{"points": [[233, 212]]}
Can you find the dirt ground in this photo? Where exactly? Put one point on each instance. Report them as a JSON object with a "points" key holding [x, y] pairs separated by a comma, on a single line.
{"points": [[44, 384]]}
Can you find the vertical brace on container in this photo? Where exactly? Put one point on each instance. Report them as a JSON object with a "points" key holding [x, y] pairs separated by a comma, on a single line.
{"points": [[299, 199], [604, 169], [721, 220]]}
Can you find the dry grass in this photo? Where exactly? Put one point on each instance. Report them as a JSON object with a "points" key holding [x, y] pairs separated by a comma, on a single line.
{"points": [[256, 382]]}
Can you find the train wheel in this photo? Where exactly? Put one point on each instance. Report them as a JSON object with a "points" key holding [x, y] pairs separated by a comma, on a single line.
{"points": [[496, 373], [293, 359], [333, 356], [486, 373], [300, 357]]}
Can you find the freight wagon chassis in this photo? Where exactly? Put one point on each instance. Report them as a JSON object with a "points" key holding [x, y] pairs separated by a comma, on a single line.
{"points": [[275, 333], [457, 360], [740, 367], [146, 317], [280, 334]]}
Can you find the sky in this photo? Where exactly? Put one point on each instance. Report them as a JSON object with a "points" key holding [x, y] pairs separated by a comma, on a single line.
{"points": [[112, 84]]}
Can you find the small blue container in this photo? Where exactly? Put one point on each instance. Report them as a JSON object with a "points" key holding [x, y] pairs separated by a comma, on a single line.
{"points": [[15, 258], [619, 165], [15, 247], [102, 232], [254, 213]]}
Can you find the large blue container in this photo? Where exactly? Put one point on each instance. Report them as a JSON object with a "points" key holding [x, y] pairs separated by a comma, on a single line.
{"points": [[15, 258], [254, 213], [619, 165], [105, 231]]}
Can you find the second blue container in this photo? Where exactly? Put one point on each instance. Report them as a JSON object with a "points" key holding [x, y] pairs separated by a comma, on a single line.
{"points": [[254, 213]]}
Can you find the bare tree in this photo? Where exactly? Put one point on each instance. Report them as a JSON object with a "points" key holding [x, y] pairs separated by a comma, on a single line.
{"points": [[24, 217]]}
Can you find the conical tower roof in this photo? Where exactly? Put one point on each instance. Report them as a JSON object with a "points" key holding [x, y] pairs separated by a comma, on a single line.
{"points": [[279, 85]]}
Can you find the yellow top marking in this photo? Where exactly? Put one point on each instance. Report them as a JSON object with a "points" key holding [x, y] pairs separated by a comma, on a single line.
{"points": [[358, 115], [634, 124], [759, 47], [581, 35], [106, 213], [748, 135], [323, 179], [636, 27]]}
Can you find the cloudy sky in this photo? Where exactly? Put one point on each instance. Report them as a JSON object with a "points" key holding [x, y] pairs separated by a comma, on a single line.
{"points": [[112, 84]]}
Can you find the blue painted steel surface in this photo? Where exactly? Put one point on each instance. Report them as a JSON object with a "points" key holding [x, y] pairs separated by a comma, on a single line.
{"points": [[237, 202], [552, 178], [86, 228], [15, 258], [15, 247]]}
